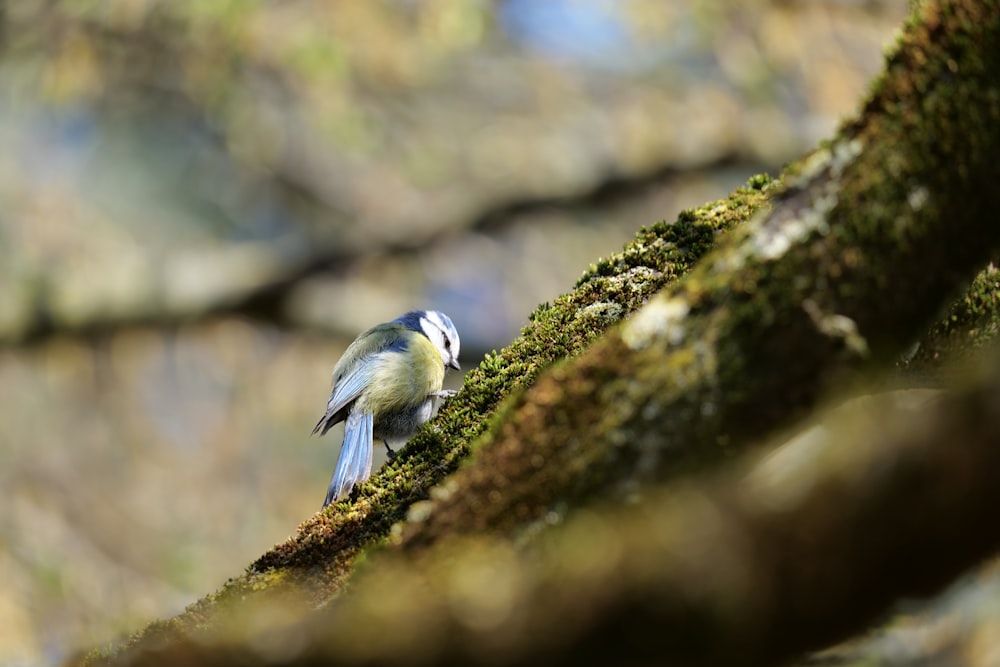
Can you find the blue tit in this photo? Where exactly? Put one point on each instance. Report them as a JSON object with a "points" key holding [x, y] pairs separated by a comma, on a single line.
{"points": [[387, 384]]}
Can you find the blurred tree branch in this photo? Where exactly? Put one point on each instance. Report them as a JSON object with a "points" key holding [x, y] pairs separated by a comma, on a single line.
{"points": [[864, 244], [166, 65], [259, 279]]}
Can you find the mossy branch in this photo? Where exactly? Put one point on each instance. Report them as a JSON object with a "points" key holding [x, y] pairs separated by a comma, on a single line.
{"points": [[859, 252], [317, 562]]}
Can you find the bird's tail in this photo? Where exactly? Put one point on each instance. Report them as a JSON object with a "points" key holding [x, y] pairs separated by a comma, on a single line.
{"points": [[355, 462]]}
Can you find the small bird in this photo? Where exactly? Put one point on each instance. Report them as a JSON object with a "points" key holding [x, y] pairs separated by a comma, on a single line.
{"points": [[387, 384]]}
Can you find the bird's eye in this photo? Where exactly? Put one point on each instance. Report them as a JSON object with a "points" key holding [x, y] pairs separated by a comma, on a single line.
{"points": [[447, 344]]}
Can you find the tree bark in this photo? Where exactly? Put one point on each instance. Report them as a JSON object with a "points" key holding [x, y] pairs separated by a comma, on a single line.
{"points": [[860, 250]]}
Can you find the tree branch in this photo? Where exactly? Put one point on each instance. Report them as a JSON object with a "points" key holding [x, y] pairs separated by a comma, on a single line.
{"points": [[859, 252]]}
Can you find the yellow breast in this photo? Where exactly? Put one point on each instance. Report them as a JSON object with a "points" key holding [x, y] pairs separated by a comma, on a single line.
{"points": [[403, 379]]}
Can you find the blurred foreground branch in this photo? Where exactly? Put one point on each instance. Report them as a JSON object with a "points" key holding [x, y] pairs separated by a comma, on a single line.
{"points": [[740, 568]]}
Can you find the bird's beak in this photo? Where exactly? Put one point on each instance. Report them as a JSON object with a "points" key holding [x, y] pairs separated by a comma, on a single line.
{"points": [[454, 364]]}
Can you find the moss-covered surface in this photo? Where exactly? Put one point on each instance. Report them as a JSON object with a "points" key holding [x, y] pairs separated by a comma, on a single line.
{"points": [[972, 321], [728, 568], [862, 247], [316, 562]]}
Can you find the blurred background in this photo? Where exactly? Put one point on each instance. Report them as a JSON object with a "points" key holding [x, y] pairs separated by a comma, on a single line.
{"points": [[202, 202]]}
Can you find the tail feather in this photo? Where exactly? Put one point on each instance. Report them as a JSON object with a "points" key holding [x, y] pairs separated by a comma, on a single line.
{"points": [[355, 463], [329, 420], [320, 424]]}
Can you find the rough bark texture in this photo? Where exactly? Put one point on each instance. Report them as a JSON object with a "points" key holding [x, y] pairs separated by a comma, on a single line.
{"points": [[861, 248], [869, 237]]}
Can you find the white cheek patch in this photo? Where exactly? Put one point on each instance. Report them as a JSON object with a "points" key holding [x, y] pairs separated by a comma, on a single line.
{"points": [[441, 332]]}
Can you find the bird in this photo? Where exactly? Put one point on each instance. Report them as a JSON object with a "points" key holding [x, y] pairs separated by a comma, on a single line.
{"points": [[386, 384]]}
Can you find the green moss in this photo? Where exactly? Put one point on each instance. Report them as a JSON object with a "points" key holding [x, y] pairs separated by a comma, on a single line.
{"points": [[971, 322], [867, 235]]}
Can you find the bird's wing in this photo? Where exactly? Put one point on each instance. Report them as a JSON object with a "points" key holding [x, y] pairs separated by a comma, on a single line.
{"points": [[355, 462], [350, 377], [348, 388]]}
